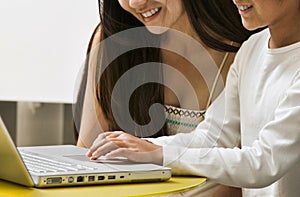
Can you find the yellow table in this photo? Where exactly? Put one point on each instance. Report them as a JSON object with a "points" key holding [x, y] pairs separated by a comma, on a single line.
{"points": [[174, 185]]}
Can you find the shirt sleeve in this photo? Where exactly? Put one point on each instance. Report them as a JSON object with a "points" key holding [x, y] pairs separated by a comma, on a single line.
{"points": [[274, 152]]}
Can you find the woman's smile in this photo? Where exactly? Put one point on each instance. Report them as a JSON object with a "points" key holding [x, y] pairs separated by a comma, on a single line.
{"points": [[150, 14]]}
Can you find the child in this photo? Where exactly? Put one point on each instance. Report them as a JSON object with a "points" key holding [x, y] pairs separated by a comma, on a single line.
{"points": [[259, 111]]}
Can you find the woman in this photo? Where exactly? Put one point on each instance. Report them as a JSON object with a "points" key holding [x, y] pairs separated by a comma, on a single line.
{"points": [[259, 109], [219, 32]]}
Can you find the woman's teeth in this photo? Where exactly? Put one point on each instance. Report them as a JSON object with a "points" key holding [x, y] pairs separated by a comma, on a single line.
{"points": [[244, 7], [150, 12]]}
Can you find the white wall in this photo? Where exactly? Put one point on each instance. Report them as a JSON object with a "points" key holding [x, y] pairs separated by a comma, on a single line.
{"points": [[42, 47]]}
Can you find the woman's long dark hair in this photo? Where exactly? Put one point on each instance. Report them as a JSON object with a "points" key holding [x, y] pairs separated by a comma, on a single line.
{"points": [[214, 21]]}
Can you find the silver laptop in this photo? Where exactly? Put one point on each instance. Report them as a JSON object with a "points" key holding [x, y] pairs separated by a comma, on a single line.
{"points": [[67, 165]]}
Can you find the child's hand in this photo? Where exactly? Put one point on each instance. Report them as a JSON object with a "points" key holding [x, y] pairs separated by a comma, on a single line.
{"points": [[121, 144]]}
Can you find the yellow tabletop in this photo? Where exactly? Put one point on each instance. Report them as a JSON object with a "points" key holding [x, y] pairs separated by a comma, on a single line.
{"points": [[174, 185]]}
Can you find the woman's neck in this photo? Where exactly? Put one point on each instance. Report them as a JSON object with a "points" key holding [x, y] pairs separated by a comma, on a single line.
{"points": [[184, 25]]}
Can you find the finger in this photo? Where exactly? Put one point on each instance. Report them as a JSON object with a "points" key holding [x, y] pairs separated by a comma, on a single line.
{"points": [[120, 152], [102, 146], [99, 141], [113, 133], [122, 143], [136, 156], [103, 150], [129, 153]]}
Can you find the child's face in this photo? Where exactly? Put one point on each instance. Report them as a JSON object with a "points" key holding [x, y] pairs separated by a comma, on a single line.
{"points": [[271, 13], [162, 13]]}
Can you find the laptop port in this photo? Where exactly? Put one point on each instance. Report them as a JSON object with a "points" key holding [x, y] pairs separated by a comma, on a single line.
{"points": [[100, 178], [70, 179], [80, 179], [54, 180], [111, 177], [91, 178]]}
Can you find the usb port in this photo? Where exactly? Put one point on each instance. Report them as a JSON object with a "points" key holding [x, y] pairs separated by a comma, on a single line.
{"points": [[111, 177]]}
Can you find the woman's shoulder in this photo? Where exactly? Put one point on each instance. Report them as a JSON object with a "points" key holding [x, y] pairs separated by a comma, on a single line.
{"points": [[96, 37]]}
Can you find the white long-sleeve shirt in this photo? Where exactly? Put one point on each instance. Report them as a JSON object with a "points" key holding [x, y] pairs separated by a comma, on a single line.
{"points": [[256, 120]]}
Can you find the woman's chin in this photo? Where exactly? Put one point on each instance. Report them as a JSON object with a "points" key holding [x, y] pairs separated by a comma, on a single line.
{"points": [[157, 29]]}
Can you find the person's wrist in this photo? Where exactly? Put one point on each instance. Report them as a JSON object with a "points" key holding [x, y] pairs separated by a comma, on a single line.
{"points": [[158, 155]]}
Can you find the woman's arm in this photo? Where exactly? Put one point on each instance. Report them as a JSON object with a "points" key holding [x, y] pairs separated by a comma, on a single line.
{"points": [[93, 121]]}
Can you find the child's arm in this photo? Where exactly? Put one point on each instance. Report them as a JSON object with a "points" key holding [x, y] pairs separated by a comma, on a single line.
{"points": [[274, 152]]}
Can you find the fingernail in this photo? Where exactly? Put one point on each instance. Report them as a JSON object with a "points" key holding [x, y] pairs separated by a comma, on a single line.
{"points": [[88, 153]]}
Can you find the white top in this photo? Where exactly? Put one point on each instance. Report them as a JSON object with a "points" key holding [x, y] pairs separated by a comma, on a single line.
{"points": [[259, 112], [180, 120]]}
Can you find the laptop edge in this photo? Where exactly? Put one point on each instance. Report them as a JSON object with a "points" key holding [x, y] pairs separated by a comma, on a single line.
{"points": [[12, 167]]}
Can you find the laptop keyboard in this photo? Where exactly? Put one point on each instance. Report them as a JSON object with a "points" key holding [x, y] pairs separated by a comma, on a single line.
{"points": [[38, 164]]}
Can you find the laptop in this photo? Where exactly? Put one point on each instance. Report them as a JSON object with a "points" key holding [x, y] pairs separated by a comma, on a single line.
{"points": [[67, 165]]}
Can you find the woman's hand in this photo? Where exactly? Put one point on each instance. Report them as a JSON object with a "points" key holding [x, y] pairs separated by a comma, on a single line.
{"points": [[121, 144]]}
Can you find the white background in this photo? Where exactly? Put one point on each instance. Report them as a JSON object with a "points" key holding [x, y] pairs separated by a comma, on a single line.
{"points": [[42, 47]]}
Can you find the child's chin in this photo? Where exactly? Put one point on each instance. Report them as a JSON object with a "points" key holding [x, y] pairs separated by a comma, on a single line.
{"points": [[251, 27]]}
